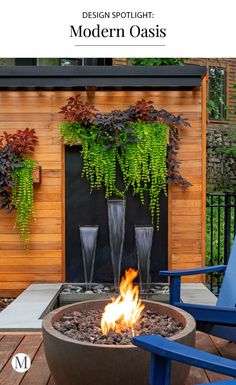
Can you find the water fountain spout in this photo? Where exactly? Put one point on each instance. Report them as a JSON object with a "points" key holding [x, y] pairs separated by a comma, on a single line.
{"points": [[143, 239], [88, 237], [116, 222]]}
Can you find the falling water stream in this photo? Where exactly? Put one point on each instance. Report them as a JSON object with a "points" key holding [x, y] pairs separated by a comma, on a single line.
{"points": [[116, 221], [143, 239], [88, 237]]}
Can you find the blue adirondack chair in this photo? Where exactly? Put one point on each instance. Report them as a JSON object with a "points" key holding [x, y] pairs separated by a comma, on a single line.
{"points": [[163, 351], [219, 319]]}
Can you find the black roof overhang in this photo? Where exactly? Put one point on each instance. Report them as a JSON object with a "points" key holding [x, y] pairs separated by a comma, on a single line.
{"points": [[102, 77]]}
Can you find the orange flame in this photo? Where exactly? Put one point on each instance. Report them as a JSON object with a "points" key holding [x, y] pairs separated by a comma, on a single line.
{"points": [[125, 310]]}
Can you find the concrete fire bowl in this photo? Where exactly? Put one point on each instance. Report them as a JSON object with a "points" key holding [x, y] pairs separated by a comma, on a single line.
{"points": [[78, 363]]}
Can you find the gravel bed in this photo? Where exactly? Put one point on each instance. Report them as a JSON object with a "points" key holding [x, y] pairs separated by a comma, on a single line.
{"points": [[85, 326], [101, 289], [4, 302]]}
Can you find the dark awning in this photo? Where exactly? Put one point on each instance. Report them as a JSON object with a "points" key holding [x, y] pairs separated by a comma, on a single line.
{"points": [[131, 77]]}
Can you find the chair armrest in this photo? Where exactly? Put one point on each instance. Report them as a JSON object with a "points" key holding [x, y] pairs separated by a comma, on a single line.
{"points": [[210, 313], [175, 351], [201, 270]]}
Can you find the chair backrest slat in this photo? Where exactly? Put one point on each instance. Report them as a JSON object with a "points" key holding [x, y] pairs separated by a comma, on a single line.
{"points": [[227, 296]]}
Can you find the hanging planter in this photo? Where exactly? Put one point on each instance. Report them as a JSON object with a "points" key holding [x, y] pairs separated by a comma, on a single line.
{"points": [[142, 141], [16, 178], [36, 173]]}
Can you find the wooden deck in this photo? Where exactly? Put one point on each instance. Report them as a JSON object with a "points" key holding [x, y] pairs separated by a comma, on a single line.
{"points": [[39, 373]]}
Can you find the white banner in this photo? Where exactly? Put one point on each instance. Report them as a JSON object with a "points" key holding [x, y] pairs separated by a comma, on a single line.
{"points": [[73, 28]]}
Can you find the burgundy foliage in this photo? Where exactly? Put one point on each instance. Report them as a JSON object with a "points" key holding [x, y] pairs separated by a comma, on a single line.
{"points": [[21, 142], [13, 147], [77, 111]]}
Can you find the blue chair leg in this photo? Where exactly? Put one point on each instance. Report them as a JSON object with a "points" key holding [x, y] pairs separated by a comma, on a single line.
{"points": [[159, 370], [175, 289]]}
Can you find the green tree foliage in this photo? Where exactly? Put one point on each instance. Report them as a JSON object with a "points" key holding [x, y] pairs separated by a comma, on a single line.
{"points": [[157, 61], [216, 103]]}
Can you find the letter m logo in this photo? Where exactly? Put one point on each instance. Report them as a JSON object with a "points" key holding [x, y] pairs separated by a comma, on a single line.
{"points": [[21, 362]]}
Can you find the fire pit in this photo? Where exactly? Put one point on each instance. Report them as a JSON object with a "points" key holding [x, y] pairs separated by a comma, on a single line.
{"points": [[87, 345]]}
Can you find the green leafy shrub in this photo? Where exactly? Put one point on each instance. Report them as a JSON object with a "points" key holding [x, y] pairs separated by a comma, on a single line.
{"points": [[230, 150], [71, 132]]}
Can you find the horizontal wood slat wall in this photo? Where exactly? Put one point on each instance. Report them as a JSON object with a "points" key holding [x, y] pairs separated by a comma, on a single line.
{"points": [[45, 260]]}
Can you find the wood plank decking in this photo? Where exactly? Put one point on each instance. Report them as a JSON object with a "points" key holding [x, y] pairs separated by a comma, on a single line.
{"points": [[39, 374]]}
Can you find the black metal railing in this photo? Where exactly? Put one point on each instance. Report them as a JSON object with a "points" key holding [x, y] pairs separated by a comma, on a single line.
{"points": [[221, 230]]}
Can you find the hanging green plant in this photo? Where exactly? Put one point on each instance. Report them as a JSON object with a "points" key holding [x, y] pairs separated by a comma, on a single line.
{"points": [[22, 198], [142, 141], [144, 168], [99, 166]]}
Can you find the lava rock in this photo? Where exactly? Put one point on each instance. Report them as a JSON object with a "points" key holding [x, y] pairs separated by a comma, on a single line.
{"points": [[85, 325], [4, 302]]}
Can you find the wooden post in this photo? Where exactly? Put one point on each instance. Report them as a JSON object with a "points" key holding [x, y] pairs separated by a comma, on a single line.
{"points": [[204, 121]]}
